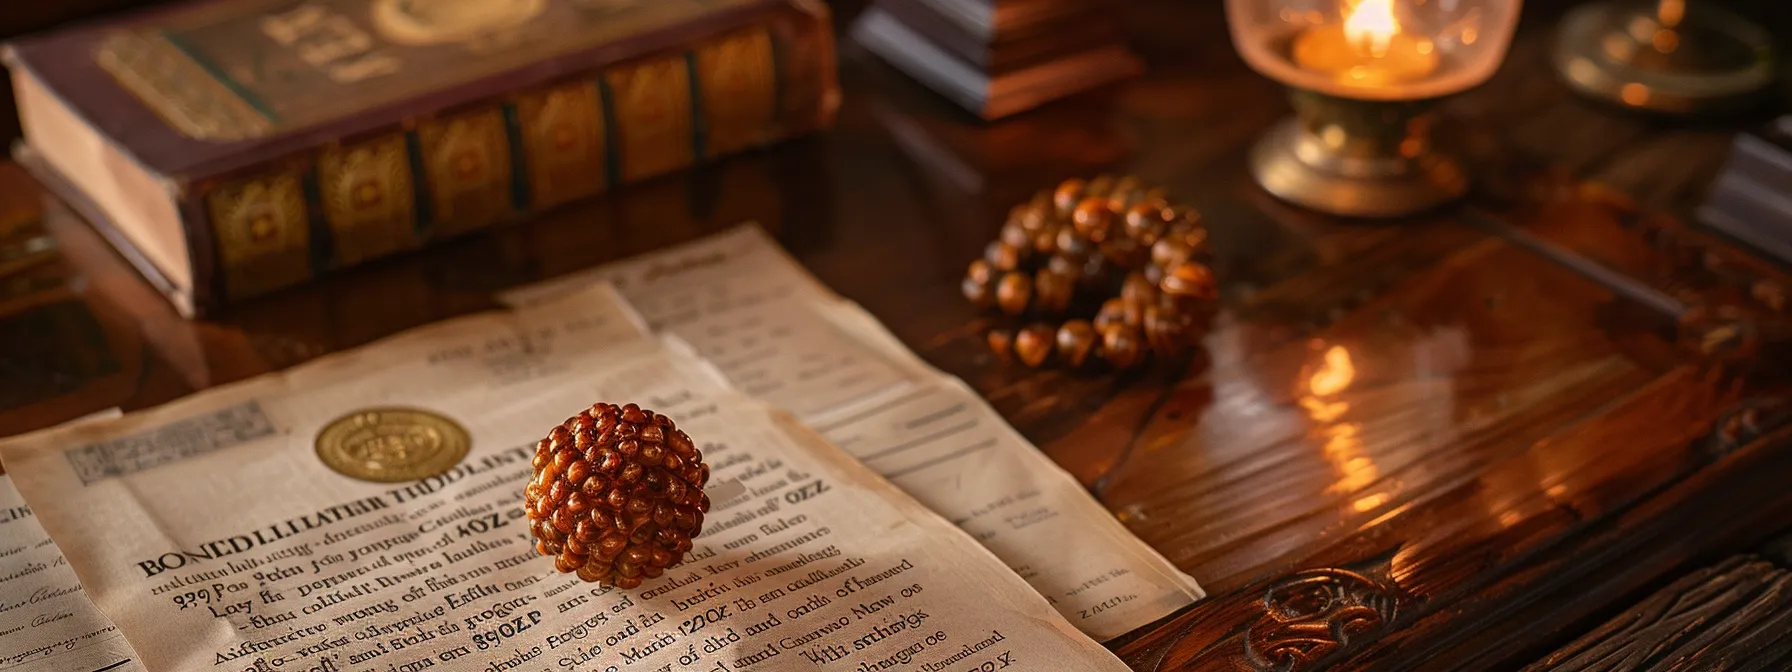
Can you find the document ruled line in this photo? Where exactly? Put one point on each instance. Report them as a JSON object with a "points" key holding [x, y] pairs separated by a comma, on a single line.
{"points": [[948, 457], [874, 410], [907, 445], [935, 416]]}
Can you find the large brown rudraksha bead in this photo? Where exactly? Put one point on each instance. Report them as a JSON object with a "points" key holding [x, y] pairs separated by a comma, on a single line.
{"points": [[617, 495]]}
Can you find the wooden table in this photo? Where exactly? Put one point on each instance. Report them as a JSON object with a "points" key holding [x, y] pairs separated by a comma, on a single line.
{"points": [[1409, 445]]}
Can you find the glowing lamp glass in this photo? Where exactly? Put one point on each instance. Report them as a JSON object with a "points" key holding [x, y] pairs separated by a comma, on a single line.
{"points": [[1374, 49]]}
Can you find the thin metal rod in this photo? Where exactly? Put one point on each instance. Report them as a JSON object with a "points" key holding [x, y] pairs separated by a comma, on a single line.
{"points": [[1619, 283]]}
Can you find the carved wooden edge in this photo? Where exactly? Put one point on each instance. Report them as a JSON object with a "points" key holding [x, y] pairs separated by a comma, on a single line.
{"points": [[1319, 617], [1747, 421], [1284, 624], [1311, 614], [1736, 614]]}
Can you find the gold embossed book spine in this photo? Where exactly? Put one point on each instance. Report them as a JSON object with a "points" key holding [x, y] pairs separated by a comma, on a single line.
{"points": [[236, 147]]}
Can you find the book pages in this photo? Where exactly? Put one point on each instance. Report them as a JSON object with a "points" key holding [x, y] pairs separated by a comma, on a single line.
{"points": [[215, 538], [780, 335]]}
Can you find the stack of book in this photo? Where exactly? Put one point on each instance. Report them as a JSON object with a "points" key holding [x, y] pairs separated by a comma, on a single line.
{"points": [[1752, 198], [1000, 57]]}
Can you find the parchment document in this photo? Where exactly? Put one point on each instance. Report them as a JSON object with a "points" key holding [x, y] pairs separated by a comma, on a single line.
{"points": [[778, 334], [47, 623], [216, 540]]}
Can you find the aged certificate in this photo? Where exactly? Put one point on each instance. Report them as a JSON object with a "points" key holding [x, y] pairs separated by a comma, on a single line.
{"points": [[778, 334], [216, 540]]}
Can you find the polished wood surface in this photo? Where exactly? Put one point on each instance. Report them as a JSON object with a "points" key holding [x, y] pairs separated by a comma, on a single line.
{"points": [[1438, 443]]}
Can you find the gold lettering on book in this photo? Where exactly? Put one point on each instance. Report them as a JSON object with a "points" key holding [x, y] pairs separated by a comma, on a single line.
{"points": [[563, 138], [330, 42], [367, 198], [737, 76], [181, 92], [262, 232], [466, 160], [653, 115]]}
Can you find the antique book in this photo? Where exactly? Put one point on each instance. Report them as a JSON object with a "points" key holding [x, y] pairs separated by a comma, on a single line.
{"points": [[228, 543], [234, 147], [985, 79], [995, 21], [1013, 34]]}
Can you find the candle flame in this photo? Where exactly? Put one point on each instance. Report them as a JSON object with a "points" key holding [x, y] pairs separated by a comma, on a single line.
{"points": [[1370, 26]]}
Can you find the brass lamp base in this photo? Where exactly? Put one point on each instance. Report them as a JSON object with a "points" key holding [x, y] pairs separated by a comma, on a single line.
{"points": [[1356, 158], [1671, 57]]}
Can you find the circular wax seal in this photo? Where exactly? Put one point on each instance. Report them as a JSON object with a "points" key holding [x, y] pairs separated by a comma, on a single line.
{"points": [[392, 444]]}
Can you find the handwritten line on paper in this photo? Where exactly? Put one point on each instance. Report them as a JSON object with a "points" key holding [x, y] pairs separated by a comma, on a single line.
{"points": [[66, 647]]}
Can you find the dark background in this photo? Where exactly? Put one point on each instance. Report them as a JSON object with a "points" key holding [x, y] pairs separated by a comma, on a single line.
{"points": [[24, 17]]}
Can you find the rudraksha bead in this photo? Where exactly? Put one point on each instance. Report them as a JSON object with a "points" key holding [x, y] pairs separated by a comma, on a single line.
{"points": [[1014, 293], [1189, 284], [1052, 291], [1092, 219], [1120, 346], [1075, 340], [1001, 343], [1067, 194], [617, 495], [1005, 257], [1034, 344], [979, 284]]}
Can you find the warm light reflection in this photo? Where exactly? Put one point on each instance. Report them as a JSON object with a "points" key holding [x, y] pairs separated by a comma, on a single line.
{"points": [[1344, 449], [1368, 503], [1334, 375], [1670, 12], [1322, 411], [1343, 445], [1370, 25]]}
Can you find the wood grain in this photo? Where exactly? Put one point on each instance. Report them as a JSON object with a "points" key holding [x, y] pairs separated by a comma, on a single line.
{"points": [[1407, 445], [1736, 615]]}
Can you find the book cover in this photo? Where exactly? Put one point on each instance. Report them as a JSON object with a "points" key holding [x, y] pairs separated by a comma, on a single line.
{"points": [[293, 137]]}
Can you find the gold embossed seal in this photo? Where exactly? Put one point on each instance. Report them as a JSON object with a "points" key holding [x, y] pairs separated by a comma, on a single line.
{"points": [[391, 444]]}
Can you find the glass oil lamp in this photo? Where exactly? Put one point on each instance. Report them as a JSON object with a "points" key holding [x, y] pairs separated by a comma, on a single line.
{"points": [[1667, 56], [1362, 75]]}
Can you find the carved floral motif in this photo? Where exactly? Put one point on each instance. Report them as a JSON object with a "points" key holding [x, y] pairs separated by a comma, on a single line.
{"points": [[1309, 615]]}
